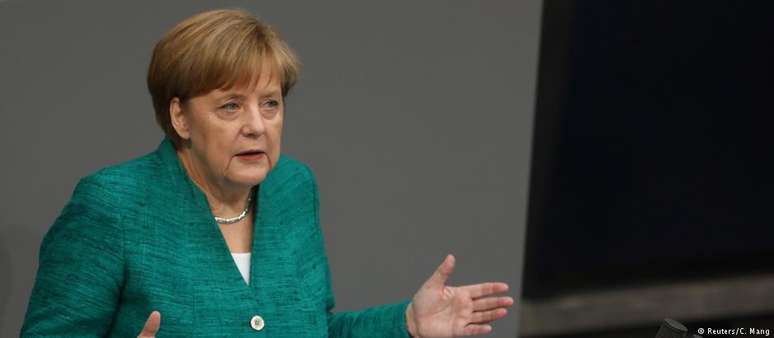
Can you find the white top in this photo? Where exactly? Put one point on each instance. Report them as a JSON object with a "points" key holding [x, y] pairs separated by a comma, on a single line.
{"points": [[242, 261]]}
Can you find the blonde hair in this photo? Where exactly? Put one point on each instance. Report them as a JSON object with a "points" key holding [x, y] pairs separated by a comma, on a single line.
{"points": [[217, 49]]}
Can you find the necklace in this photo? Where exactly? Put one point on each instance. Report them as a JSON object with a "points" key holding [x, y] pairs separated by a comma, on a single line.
{"points": [[232, 220]]}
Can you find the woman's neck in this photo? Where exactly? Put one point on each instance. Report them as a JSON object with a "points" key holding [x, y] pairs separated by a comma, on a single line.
{"points": [[225, 200]]}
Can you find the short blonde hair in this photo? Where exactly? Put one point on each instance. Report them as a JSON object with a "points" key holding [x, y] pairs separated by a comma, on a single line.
{"points": [[212, 50]]}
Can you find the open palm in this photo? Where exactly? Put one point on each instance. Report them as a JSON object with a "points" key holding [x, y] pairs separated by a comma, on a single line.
{"points": [[438, 310]]}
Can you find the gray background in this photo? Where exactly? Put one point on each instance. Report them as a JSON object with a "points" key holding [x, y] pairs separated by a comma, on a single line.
{"points": [[416, 117]]}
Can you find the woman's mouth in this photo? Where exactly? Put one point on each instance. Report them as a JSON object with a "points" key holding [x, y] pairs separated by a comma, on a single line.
{"points": [[251, 155]]}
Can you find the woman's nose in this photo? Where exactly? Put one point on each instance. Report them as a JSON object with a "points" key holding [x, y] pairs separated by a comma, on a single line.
{"points": [[254, 125]]}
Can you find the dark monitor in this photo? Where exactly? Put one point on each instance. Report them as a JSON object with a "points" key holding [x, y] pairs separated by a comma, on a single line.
{"points": [[654, 144]]}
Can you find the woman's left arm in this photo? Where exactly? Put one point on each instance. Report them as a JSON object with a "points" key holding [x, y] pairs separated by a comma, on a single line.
{"points": [[436, 310], [386, 321]]}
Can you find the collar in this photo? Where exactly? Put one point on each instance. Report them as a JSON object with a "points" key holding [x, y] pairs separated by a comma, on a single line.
{"points": [[183, 184]]}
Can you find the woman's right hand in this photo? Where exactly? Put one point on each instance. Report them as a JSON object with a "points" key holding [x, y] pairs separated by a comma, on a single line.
{"points": [[151, 325]]}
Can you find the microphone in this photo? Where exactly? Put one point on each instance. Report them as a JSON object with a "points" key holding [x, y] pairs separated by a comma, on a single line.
{"points": [[671, 328]]}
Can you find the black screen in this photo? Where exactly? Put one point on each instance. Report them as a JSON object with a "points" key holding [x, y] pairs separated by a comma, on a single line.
{"points": [[653, 152]]}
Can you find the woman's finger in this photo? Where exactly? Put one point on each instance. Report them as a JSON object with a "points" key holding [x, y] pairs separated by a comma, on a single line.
{"points": [[474, 329], [488, 316], [485, 289], [489, 303], [442, 273], [151, 325]]}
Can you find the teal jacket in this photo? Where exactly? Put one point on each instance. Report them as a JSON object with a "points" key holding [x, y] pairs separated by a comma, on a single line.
{"points": [[139, 236]]}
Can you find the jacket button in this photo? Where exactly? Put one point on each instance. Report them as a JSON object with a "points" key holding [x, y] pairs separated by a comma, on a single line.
{"points": [[257, 323]]}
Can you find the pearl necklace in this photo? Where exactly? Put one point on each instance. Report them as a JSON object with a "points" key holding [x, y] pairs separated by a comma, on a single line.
{"points": [[232, 220]]}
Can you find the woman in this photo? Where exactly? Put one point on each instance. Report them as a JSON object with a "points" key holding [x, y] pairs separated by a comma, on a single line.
{"points": [[216, 230]]}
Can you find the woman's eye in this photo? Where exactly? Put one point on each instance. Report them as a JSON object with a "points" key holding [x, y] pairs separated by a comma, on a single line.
{"points": [[230, 107], [272, 103], [270, 108]]}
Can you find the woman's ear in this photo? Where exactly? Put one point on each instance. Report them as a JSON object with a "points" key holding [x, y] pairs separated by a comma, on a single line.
{"points": [[178, 118]]}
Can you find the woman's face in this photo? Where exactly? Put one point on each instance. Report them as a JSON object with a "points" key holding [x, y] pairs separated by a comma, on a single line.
{"points": [[234, 134]]}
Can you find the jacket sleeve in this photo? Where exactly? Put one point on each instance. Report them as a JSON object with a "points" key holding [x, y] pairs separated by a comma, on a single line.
{"points": [[80, 267], [385, 321], [388, 321]]}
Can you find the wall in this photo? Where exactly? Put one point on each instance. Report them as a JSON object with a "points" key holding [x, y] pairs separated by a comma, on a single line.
{"points": [[415, 116]]}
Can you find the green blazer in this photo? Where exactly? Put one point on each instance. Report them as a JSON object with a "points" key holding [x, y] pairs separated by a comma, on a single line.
{"points": [[139, 236]]}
